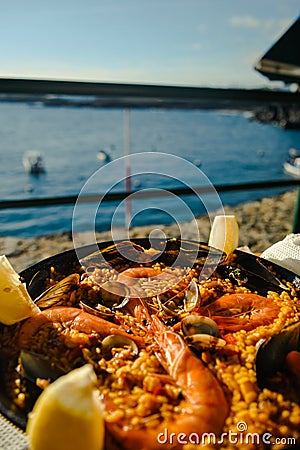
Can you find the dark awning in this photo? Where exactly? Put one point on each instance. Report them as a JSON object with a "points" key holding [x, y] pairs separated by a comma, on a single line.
{"points": [[282, 61]]}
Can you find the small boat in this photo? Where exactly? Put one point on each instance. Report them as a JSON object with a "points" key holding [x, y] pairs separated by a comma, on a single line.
{"points": [[103, 156], [292, 165], [33, 163]]}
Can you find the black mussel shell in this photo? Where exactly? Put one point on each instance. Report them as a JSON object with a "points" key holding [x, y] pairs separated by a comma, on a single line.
{"points": [[258, 274], [37, 282], [249, 279], [54, 294], [184, 253], [35, 365], [120, 253], [31, 367], [271, 353], [269, 271]]}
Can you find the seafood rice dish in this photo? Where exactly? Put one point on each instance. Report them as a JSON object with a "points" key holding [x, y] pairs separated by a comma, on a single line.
{"points": [[192, 348]]}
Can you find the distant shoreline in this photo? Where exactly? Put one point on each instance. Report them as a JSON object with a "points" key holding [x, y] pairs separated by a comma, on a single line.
{"points": [[262, 223], [118, 102], [287, 117]]}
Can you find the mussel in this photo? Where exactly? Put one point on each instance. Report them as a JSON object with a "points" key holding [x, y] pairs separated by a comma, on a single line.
{"points": [[116, 256], [201, 332], [170, 252], [35, 365], [183, 253], [37, 282], [56, 293], [271, 272], [252, 273], [271, 356]]}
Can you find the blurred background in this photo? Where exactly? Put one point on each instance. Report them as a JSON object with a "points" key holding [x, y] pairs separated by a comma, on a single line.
{"points": [[101, 86]]}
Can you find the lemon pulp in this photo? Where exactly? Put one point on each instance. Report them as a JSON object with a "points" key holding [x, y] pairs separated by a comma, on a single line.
{"points": [[224, 233], [68, 415], [15, 302]]}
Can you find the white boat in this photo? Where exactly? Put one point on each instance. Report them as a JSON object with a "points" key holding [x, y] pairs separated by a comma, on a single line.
{"points": [[103, 156], [33, 162], [292, 165]]}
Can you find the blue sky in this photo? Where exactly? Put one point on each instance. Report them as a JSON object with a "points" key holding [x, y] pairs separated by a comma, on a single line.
{"points": [[212, 43]]}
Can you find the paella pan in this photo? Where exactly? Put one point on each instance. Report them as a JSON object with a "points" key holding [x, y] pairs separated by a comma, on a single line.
{"points": [[191, 348]]}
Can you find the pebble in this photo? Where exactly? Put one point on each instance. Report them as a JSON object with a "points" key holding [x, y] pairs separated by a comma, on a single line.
{"points": [[11, 246]]}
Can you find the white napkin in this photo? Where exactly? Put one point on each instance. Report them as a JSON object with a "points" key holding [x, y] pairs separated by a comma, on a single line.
{"points": [[285, 253], [11, 437]]}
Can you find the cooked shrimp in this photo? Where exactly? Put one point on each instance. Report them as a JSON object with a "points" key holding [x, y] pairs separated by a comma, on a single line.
{"points": [[139, 272], [238, 311], [149, 281], [71, 324], [131, 277], [204, 407]]}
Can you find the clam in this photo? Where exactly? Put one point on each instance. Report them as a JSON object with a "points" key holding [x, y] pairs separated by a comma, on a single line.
{"points": [[201, 332], [174, 305], [98, 310], [194, 324], [113, 296], [169, 307], [204, 341], [271, 355], [191, 297], [116, 341]]}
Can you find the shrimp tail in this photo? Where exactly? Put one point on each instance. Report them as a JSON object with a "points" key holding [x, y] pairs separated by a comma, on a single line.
{"points": [[203, 407]]}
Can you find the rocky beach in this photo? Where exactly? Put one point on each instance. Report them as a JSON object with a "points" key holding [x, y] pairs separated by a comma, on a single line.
{"points": [[261, 223]]}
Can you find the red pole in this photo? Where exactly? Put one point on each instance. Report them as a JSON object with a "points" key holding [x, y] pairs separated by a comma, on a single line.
{"points": [[128, 211]]}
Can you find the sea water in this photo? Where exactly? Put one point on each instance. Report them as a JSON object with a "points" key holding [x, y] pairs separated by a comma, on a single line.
{"points": [[224, 146]]}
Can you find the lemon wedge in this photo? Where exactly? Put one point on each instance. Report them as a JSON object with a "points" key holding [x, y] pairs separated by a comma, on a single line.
{"points": [[68, 415], [15, 302], [224, 234]]}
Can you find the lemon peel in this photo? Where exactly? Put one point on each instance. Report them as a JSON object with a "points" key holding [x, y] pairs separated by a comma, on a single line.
{"points": [[68, 415], [224, 234], [15, 302]]}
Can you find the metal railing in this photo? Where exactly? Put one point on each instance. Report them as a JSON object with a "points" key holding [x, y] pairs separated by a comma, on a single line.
{"points": [[138, 95], [133, 95], [138, 195]]}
